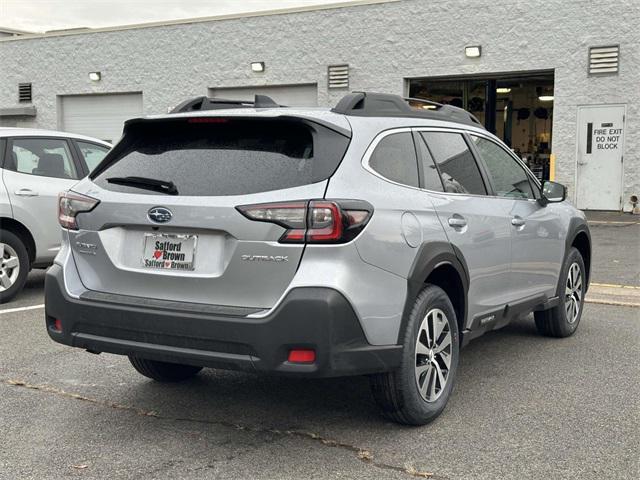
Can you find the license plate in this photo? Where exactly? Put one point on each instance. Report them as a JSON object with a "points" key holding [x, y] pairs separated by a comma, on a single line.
{"points": [[169, 252]]}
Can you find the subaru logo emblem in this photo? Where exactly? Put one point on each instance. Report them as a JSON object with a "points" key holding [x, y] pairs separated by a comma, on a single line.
{"points": [[159, 215]]}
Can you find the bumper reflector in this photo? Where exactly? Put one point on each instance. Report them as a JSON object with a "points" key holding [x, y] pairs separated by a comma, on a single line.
{"points": [[57, 325], [302, 356]]}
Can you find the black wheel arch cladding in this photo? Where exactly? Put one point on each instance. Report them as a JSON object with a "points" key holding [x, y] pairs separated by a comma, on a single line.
{"points": [[429, 258]]}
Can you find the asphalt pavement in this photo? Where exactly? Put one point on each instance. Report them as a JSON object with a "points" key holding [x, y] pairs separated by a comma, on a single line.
{"points": [[524, 407]]}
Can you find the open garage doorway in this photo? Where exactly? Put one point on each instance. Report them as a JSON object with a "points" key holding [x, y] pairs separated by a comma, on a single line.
{"points": [[517, 107]]}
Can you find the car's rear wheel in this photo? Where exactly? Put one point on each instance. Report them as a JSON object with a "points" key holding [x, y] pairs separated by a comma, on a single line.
{"points": [[14, 265], [418, 391], [563, 320], [163, 371]]}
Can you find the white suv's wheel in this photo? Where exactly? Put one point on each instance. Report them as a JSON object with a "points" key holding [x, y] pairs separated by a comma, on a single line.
{"points": [[14, 265], [418, 391]]}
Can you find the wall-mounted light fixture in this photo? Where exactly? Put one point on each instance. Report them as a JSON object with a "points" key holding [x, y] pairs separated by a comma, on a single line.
{"points": [[95, 76], [473, 51], [503, 90], [257, 67]]}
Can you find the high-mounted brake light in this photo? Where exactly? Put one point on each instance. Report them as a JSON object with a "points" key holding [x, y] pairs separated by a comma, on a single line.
{"points": [[208, 120], [314, 221], [71, 204]]}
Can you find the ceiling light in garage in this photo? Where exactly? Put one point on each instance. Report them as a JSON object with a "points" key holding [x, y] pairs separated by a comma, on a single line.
{"points": [[257, 66], [546, 98], [473, 51], [95, 76], [503, 90]]}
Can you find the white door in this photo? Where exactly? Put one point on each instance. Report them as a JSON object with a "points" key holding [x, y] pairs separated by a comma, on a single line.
{"points": [[600, 157], [99, 116], [35, 172], [303, 95]]}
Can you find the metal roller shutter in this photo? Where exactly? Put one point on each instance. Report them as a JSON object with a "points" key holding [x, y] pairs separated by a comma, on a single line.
{"points": [[99, 116]]}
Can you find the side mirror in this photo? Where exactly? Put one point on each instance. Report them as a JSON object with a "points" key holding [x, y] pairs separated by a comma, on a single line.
{"points": [[552, 192]]}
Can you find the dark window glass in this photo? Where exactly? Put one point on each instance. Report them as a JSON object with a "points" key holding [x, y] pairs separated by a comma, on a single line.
{"points": [[46, 157], [430, 176], [509, 178], [92, 153], [458, 168], [395, 158], [212, 157]]}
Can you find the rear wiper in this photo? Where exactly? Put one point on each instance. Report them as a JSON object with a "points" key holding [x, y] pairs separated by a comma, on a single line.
{"points": [[161, 186]]}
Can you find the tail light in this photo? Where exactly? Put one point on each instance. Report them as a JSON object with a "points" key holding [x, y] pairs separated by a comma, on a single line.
{"points": [[71, 204], [315, 221]]}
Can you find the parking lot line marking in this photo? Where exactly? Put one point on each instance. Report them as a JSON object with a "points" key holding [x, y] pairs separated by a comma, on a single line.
{"points": [[614, 285], [21, 309], [611, 222], [611, 302]]}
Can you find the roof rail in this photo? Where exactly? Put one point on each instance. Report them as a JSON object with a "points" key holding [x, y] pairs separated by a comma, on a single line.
{"points": [[207, 103], [364, 104]]}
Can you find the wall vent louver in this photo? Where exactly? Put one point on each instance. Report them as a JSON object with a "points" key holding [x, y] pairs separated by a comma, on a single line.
{"points": [[604, 60], [338, 76], [24, 92]]}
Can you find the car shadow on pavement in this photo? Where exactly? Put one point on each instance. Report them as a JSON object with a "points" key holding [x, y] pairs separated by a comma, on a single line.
{"points": [[35, 281], [217, 396]]}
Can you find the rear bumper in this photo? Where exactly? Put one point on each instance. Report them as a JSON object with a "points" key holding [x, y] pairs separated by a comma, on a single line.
{"points": [[308, 318]]}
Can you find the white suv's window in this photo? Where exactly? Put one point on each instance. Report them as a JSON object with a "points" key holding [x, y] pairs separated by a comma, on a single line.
{"points": [[509, 178], [92, 153], [46, 157]]}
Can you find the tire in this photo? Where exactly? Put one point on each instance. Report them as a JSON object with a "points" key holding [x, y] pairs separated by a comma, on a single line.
{"points": [[14, 265], [163, 371], [563, 320], [398, 392]]}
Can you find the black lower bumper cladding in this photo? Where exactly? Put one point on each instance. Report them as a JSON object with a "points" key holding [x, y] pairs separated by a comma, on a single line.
{"points": [[308, 318]]}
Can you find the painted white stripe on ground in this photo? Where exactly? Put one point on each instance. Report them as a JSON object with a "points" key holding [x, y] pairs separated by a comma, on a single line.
{"points": [[21, 309], [608, 222]]}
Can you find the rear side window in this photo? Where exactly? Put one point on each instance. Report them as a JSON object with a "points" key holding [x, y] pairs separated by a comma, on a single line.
{"points": [[395, 159], [458, 168], [219, 156], [92, 153], [44, 157]]}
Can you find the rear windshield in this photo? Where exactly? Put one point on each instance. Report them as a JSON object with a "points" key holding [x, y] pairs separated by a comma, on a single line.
{"points": [[219, 156]]}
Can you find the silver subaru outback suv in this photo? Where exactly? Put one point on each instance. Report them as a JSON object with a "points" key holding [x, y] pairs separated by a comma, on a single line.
{"points": [[376, 238]]}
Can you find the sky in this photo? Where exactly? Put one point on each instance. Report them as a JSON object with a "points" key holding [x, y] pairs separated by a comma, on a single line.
{"points": [[43, 15]]}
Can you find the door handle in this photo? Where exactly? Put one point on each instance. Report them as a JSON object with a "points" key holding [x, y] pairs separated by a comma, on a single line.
{"points": [[582, 163], [26, 192], [517, 222], [457, 221]]}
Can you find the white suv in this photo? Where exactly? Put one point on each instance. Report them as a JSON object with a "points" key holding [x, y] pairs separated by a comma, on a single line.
{"points": [[36, 165]]}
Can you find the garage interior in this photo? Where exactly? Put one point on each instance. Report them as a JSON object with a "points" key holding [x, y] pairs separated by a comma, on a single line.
{"points": [[517, 107]]}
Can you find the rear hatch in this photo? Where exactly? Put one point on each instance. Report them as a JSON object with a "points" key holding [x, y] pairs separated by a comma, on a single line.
{"points": [[167, 227]]}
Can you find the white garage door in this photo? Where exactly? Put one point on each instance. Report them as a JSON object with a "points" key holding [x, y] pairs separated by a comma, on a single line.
{"points": [[99, 116], [304, 95]]}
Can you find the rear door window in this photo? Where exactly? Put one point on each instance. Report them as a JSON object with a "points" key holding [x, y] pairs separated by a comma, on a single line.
{"points": [[45, 157], [395, 159], [214, 156], [458, 169]]}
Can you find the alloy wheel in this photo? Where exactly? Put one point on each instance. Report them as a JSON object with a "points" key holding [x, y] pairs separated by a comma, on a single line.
{"points": [[433, 355], [9, 267], [573, 293]]}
